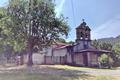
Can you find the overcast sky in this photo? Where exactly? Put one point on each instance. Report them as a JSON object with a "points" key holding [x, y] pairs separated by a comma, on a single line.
{"points": [[102, 16]]}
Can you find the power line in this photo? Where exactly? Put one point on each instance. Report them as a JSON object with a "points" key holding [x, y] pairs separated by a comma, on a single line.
{"points": [[74, 21]]}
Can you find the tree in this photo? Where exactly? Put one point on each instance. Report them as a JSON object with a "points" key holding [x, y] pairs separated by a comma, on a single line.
{"points": [[32, 22], [95, 43], [116, 54], [2, 17], [106, 46], [106, 60], [62, 40], [70, 42]]}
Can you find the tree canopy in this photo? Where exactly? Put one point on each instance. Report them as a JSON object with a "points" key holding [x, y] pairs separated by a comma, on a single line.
{"points": [[32, 22]]}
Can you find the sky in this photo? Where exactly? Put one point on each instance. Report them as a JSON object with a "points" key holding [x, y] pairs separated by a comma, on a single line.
{"points": [[3, 3], [102, 16]]}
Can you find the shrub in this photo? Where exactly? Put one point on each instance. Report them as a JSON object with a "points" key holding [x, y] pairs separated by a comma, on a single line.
{"points": [[105, 61]]}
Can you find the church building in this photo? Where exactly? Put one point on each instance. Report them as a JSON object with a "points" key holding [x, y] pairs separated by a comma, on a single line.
{"points": [[81, 53]]}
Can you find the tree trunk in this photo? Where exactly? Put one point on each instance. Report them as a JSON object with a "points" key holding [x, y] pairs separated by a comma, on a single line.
{"points": [[30, 61], [30, 52], [21, 59]]}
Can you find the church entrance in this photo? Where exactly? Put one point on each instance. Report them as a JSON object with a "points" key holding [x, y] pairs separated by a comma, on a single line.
{"points": [[85, 59]]}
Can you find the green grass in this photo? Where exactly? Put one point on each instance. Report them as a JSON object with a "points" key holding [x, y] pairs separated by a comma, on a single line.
{"points": [[38, 76], [29, 76], [66, 67], [106, 78], [24, 74]]}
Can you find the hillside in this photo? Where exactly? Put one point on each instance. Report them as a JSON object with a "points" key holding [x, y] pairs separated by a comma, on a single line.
{"points": [[112, 40]]}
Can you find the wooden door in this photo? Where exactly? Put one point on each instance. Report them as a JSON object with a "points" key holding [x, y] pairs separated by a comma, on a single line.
{"points": [[85, 59]]}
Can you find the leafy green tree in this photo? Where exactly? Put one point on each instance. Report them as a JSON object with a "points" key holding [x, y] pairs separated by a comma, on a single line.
{"points": [[106, 61], [70, 42], [32, 23], [117, 49], [106, 46], [116, 55], [2, 17], [61, 40], [95, 43]]}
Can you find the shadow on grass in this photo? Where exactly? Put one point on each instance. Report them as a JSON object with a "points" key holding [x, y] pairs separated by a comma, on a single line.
{"points": [[46, 73], [80, 77], [71, 74], [39, 76]]}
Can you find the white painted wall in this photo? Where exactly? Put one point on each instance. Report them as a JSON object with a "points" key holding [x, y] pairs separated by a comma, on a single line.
{"points": [[25, 58], [49, 51], [60, 52], [38, 58], [69, 59]]}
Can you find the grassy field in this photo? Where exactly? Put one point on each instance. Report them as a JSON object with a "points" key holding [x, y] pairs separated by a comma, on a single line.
{"points": [[66, 67], [47, 73], [36, 76]]}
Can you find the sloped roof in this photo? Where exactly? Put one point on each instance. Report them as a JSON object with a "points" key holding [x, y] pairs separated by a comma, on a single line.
{"points": [[83, 26], [94, 50], [59, 45]]}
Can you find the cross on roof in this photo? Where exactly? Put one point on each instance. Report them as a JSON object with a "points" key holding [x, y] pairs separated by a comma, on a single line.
{"points": [[83, 20]]}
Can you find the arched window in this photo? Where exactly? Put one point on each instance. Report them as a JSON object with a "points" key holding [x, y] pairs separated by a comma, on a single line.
{"points": [[81, 35]]}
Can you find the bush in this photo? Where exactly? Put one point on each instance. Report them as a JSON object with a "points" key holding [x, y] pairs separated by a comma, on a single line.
{"points": [[105, 61], [116, 59], [116, 55]]}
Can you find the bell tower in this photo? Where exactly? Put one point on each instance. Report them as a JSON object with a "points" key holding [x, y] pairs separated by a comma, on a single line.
{"points": [[83, 37], [83, 31]]}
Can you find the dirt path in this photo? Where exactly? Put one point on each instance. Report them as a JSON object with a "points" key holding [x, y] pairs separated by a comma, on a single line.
{"points": [[97, 72]]}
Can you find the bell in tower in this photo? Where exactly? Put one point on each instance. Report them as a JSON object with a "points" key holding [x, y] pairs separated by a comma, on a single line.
{"points": [[83, 31]]}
